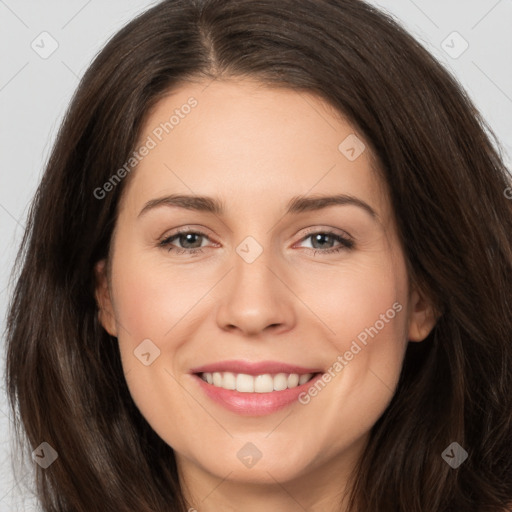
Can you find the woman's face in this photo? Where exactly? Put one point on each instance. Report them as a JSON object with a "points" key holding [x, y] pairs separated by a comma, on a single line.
{"points": [[272, 285]]}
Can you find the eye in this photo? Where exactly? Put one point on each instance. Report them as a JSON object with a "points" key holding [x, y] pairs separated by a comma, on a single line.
{"points": [[191, 242], [322, 241]]}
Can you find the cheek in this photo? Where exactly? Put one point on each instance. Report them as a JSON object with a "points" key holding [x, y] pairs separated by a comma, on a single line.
{"points": [[151, 305], [149, 302], [364, 310], [365, 301], [365, 314], [151, 299]]}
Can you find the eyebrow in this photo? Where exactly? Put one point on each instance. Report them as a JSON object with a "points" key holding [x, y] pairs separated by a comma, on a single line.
{"points": [[298, 204]]}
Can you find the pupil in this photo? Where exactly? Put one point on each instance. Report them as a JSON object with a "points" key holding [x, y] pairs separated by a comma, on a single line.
{"points": [[321, 237], [188, 240]]}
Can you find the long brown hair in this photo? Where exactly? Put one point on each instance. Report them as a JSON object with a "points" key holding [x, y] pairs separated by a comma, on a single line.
{"points": [[447, 183]]}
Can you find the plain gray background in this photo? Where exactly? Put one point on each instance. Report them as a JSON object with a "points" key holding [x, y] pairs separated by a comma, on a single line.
{"points": [[35, 90]]}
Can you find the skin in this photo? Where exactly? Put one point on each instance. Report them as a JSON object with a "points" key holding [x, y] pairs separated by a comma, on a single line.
{"points": [[253, 148]]}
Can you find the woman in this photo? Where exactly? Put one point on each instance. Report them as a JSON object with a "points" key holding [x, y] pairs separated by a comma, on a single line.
{"points": [[257, 369]]}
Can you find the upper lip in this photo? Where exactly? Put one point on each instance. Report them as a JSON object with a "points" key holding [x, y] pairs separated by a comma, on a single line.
{"points": [[254, 368]]}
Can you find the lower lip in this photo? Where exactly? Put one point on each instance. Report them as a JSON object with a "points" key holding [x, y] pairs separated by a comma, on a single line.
{"points": [[254, 404]]}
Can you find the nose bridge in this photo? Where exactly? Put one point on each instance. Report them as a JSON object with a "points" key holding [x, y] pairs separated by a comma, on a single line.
{"points": [[255, 297], [253, 281], [252, 265]]}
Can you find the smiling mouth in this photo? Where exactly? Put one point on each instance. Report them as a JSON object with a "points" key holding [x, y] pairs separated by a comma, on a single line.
{"points": [[263, 383]]}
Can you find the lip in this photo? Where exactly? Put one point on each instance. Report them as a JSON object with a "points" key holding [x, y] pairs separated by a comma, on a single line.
{"points": [[254, 404], [254, 368]]}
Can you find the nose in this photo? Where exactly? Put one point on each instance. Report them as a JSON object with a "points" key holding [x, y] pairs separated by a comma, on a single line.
{"points": [[255, 298]]}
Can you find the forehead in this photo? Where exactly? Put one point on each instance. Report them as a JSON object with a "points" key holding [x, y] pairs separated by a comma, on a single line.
{"points": [[251, 146]]}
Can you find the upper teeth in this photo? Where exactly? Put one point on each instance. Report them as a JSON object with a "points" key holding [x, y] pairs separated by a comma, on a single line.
{"points": [[256, 384]]}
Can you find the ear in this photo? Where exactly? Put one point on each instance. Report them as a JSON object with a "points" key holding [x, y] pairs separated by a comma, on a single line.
{"points": [[422, 317], [103, 299]]}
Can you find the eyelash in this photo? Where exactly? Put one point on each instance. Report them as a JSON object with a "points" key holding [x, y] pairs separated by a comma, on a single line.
{"points": [[346, 243]]}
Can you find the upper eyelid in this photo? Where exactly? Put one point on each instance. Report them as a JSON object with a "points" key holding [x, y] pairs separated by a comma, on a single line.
{"points": [[309, 231], [176, 234], [334, 231], [185, 230], [315, 228]]}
